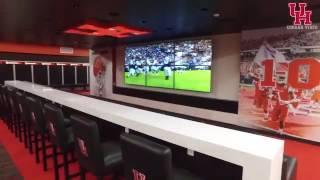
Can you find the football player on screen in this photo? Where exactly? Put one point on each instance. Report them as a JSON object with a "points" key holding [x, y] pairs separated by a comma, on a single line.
{"points": [[167, 68]]}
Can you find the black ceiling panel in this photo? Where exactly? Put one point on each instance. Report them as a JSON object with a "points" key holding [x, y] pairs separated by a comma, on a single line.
{"points": [[43, 22]]}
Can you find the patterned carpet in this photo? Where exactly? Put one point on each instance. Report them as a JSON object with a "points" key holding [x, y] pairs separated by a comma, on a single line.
{"points": [[8, 170]]}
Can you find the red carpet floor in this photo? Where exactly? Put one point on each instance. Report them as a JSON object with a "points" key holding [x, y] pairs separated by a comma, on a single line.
{"points": [[308, 159]]}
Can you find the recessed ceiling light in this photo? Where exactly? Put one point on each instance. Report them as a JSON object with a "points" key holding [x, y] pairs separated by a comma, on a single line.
{"points": [[169, 28], [216, 15], [114, 14], [204, 9], [112, 29]]}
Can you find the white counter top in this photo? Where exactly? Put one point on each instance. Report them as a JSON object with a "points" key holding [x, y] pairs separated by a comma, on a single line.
{"points": [[260, 157]]}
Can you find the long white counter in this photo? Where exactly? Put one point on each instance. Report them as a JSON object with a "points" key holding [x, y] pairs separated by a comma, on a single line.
{"points": [[260, 157]]}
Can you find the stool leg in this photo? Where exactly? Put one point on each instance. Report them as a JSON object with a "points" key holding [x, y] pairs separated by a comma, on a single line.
{"points": [[15, 125], [30, 139], [82, 174], [19, 129], [36, 146], [25, 138], [73, 158], [44, 152], [66, 165], [11, 122], [55, 163]]}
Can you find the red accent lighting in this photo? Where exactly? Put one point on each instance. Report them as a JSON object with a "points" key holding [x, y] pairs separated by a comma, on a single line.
{"points": [[97, 29]]}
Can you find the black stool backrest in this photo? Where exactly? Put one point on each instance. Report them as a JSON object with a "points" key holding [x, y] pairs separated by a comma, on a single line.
{"points": [[36, 114], [2, 105], [88, 145], [56, 126], [145, 159], [5, 99], [23, 108], [2, 102], [12, 100]]}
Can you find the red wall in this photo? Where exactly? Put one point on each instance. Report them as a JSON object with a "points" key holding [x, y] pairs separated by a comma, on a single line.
{"points": [[38, 49]]}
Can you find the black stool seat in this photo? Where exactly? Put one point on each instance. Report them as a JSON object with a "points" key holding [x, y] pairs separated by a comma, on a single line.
{"points": [[182, 174], [112, 154], [148, 159]]}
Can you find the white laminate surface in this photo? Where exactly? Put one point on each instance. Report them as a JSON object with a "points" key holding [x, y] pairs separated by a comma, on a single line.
{"points": [[260, 157]]}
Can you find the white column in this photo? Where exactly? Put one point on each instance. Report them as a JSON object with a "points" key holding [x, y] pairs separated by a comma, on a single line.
{"points": [[14, 72], [48, 74], [75, 75], [62, 74], [32, 73]]}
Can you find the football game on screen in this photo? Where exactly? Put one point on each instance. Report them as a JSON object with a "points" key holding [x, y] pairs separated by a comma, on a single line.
{"points": [[184, 65]]}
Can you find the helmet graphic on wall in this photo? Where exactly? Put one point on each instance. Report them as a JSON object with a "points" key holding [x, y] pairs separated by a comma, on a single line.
{"points": [[99, 67]]}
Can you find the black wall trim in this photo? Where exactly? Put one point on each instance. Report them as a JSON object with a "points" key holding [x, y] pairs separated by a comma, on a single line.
{"points": [[40, 57], [186, 100]]}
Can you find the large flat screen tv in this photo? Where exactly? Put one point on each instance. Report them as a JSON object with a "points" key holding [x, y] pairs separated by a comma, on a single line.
{"points": [[183, 65]]}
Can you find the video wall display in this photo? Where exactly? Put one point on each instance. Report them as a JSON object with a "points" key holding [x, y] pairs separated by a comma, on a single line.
{"points": [[280, 81], [183, 65]]}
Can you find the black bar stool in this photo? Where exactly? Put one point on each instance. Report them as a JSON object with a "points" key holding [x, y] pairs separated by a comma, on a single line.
{"points": [[7, 109], [39, 128], [99, 158], [15, 119], [24, 118], [61, 137], [145, 159], [2, 104]]}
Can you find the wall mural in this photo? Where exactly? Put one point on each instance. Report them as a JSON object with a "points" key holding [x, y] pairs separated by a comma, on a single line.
{"points": [[280, 75], [99, 73]]}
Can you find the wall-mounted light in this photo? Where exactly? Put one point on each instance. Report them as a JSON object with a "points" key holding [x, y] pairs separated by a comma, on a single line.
{"points": [[47, 64], [44, 63], [61, 64], [30, 63], [13, 62]]}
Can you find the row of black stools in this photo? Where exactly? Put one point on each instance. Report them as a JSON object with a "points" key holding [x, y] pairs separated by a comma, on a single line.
{"points": [[41, 125], [25, 117]]}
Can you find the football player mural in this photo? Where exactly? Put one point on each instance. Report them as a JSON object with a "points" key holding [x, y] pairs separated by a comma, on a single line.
{"points": [[99, 71], [280, 81]]}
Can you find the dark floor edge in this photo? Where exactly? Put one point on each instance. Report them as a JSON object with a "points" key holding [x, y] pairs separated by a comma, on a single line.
{"points": [[8, 169]]}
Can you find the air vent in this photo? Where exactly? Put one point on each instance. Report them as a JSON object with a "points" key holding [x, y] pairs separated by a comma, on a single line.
{"points": [[66, 50]]}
